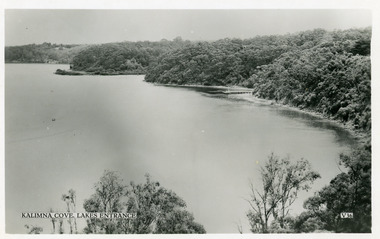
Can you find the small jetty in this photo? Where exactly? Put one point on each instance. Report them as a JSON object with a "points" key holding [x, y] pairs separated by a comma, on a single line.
{"points": [[238, 91]]}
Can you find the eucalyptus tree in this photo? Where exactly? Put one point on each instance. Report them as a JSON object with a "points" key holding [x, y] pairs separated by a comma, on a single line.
{"points": [[281, 181], [156, 209]]}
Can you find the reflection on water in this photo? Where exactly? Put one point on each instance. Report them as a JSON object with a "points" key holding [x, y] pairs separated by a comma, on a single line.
{"points": [[342, 136]]}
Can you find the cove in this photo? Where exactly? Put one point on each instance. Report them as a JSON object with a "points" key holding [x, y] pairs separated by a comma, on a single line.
{"points": [[62, 132]]}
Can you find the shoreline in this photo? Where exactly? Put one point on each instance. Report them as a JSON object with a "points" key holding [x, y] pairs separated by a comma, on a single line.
{"points": [[201, 86], [358, 135], [95, 73], [348, 127]]}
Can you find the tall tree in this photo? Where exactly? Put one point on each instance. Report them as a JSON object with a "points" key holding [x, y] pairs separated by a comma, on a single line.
{"points": [[53, 221], [157, 209], [107, 198], [282, 180], [70, 200]]}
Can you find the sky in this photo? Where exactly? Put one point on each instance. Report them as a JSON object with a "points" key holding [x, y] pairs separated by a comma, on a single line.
{"points": [[101, 26]]}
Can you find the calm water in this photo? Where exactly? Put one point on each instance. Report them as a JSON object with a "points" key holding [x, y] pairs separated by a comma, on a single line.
{"points": [[202, 145]]}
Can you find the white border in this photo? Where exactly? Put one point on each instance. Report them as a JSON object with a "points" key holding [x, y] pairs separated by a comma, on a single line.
{"points": [[210, 4]]}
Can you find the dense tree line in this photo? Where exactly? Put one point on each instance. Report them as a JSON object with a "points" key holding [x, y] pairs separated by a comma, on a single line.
{"points": [[233, 61], [327, 78], [42, 53], [224, 62], [124, 57]]}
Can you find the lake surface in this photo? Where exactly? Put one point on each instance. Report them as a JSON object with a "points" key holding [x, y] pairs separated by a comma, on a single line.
{"points": [[62, 132]]}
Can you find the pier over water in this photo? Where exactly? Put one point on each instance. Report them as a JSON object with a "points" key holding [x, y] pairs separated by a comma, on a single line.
{"points": [[230, 92]]}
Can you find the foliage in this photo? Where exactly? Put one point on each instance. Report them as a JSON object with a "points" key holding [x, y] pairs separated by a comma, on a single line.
{"points": [[282, 180], [42, 53], [157, 209], [107, 198], [348, 192], [64, 72], [122, 58], [223, 62], [325, 78]]}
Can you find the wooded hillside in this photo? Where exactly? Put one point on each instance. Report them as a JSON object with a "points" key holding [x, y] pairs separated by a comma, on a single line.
{"points": [[132, 57], [42, 53]]}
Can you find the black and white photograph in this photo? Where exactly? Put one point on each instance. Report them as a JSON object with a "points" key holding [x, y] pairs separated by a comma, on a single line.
{"points": [[190, 120]]}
